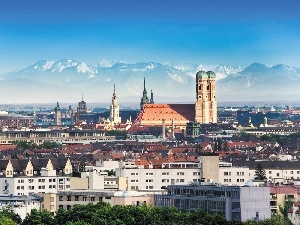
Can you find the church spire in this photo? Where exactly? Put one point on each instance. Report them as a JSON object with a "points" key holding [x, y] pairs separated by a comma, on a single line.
{"points": [[144, 99], [114, 94]]}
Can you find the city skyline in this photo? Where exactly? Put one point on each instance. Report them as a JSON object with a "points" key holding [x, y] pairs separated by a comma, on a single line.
{"points": [[203, 32]]}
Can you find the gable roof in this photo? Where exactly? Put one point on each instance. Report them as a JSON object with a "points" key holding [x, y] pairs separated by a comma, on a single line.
{"points": [[154, 114]]}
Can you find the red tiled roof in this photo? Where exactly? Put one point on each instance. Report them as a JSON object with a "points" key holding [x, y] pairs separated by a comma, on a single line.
{"points": [[7, 147], [153, 114], [144, 162], [284, 190]]}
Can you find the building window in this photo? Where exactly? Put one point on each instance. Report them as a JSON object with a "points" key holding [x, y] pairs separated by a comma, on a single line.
{"points": [[134, 187], [68, 198], [165, 173], [100, 199], [134, 181], [77, 198], [180, 173], [149, 180], [270, 172], [227, 173], [165, 180], [68, 207], [134, 174], [92, 199], [196, 173], [240, 173], [84, 198], [61, 198], [180, 180], [51, 199], [149, 187], [149, 174]]}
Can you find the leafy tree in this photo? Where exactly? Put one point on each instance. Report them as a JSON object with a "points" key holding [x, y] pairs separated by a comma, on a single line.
{"points": [[260, 173], [25, 145], [49, 145], [6, 220], [36, 217], [77, 223], [283, 210], [9, 213], [225, 146], [274, 220], [110, 172], [61, 217]]}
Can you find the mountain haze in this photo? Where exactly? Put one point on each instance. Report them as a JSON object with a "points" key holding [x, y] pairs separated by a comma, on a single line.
{"points": [[65, 80]]}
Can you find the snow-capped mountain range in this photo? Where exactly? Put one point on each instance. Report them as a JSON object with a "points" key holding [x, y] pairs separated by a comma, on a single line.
{"points": [[65, 80]]}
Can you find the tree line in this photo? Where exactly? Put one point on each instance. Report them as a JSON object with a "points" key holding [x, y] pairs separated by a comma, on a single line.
{"points": [[104, 214]]}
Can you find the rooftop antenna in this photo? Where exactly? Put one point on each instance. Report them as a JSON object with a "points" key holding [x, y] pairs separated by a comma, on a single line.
{"points": [[82, 96]]}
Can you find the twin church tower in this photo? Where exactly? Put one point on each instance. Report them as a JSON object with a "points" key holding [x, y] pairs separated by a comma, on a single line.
{"points": [[205, 108]]}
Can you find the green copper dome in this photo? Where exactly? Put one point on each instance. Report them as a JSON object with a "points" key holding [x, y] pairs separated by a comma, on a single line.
{"points": [[205, 75]]}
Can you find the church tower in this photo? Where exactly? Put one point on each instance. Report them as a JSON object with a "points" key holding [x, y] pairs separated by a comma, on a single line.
{"points": [[114, 109], [151, 99], [82, 106], [206, 103], [144, 99], [57, 115]]}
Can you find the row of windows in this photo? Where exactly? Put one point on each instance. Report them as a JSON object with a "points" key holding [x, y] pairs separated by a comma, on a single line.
{"points": [[81, 198], [237, 173], [164, 173], [237, 180]]}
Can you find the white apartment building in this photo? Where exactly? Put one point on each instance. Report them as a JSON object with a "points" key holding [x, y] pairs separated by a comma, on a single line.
{"points": [[153, 177], [146, 179], [48, 182], [25, 177], [278, 171], [234, 175]]}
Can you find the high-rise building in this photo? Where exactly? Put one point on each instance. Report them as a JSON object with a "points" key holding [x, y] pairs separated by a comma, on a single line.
{"points": [[115, 109], [206, 103]]}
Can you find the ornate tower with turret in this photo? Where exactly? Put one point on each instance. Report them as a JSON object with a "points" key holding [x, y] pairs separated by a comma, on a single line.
{"points": [[57, 115], [206, 103], [144, 99], [114, 109]]}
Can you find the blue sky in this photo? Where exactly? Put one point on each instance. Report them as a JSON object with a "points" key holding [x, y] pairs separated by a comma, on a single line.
{"points": [[233, 32]]}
